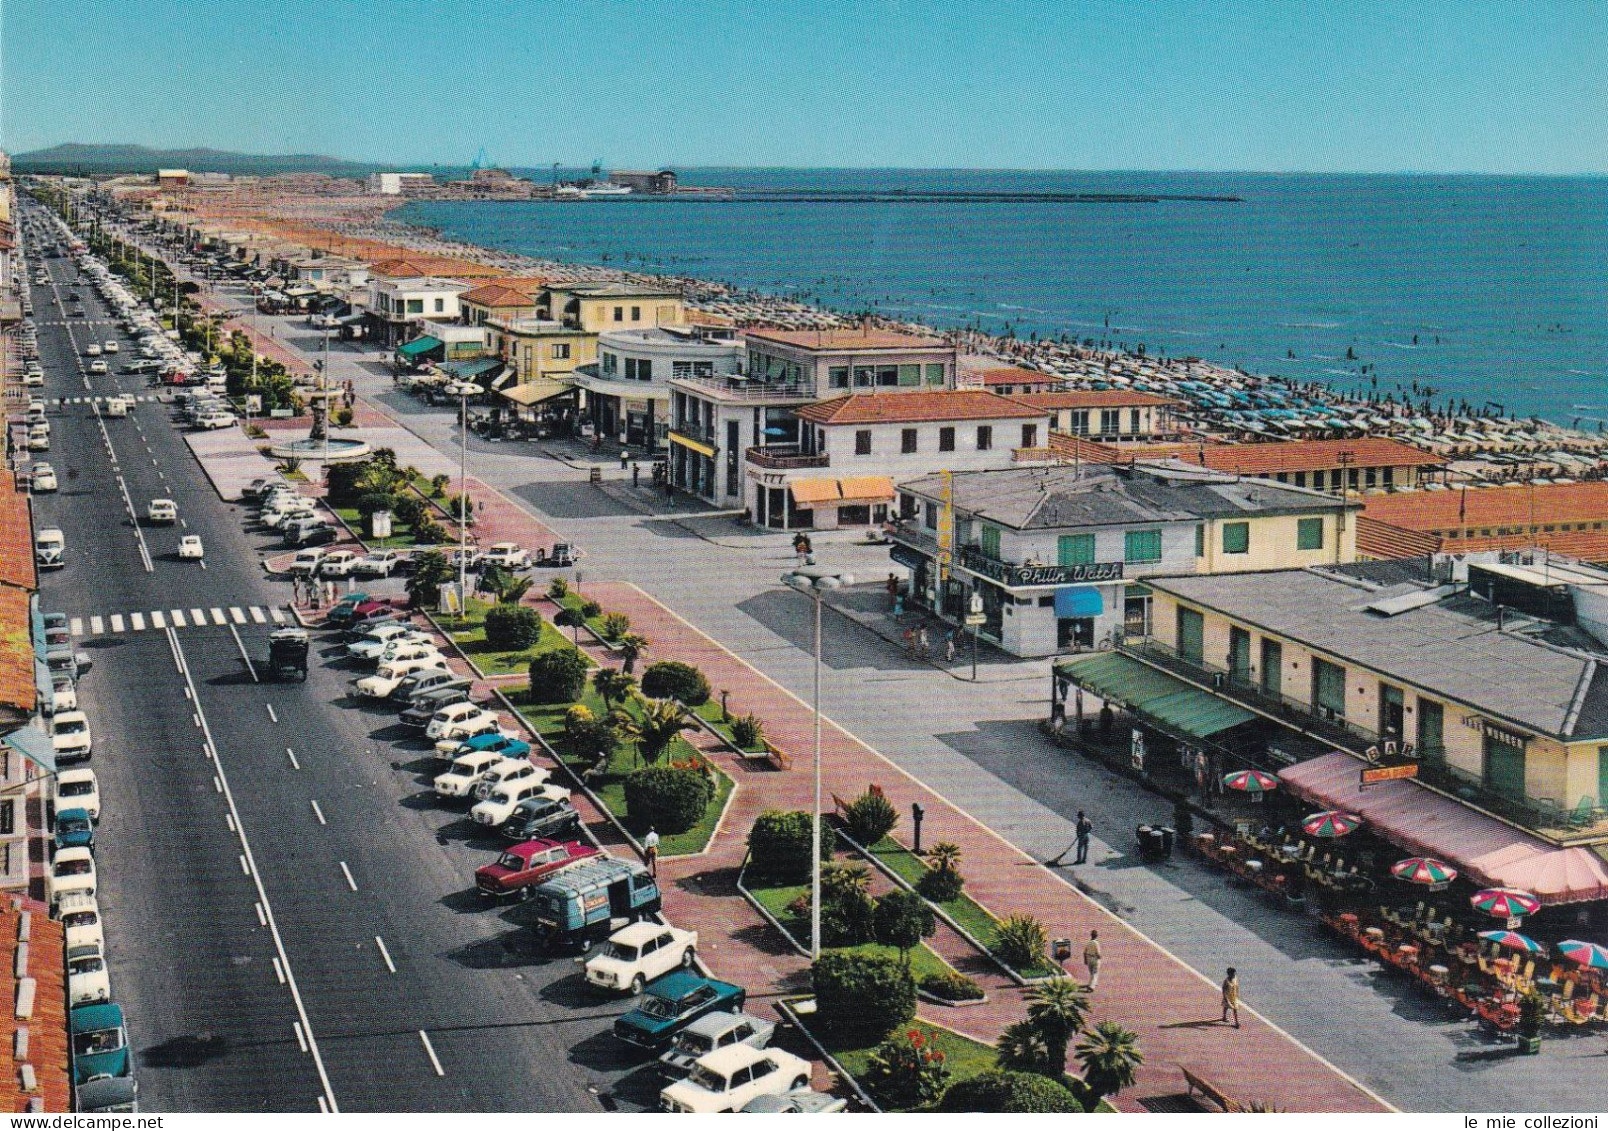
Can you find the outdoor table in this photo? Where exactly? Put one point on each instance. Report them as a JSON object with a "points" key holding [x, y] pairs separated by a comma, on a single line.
{"points": [[1374, 933], [1407, 952], [1291, 851], [1438, 972], [1254, 866]]}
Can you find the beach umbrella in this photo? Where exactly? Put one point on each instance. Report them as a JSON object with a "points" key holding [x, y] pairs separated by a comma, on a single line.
{"points": [[1587, 954], [1331, 822], [1514, 941], [1250, 781], [1505, 903], [1423, 870]]}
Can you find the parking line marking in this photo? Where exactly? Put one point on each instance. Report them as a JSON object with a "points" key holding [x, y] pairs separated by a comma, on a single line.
{"points": [[228, 819], [238, 616], [117, 622], [279, 971], [136, 622], [319, 813], [245, 868], [271, 716], [292, 755], [76, 626], [347, 872], [385, 954], [301, 1037], [217, 785], [430, 1049], [176, 619], [256, 615], [217, 617], [198, 618], [96, 626], [279, 617], [262, 916], [157, 619]]}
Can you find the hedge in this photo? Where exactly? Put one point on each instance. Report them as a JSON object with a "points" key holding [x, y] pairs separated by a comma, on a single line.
{"points": [[558, 676], [668, 799], [779, 845], [512, 628], [672, 679], [1013, 1092], [862, 997]]}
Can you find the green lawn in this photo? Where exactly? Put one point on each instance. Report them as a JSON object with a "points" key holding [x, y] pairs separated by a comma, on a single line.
{"points": [[401, 533], [548, 718], [573, 601], [469, 633], [965, 910], [923, 959], [964, 1057], [709, 711]]}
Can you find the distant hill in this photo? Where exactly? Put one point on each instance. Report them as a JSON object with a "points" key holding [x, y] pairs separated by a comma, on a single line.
{"points": [[74, 158]]}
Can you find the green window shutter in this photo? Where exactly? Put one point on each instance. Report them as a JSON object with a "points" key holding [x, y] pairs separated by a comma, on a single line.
{"points": [[989, 538], [1200, 539], [1075, 549], [910, 375], [935, 373], [1329, 687], [1141, 546], [1191, 635], [1309, 534], [1236, 537]]}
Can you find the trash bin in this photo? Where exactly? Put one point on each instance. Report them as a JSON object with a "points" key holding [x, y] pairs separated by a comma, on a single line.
{"points": [[1168, 835], [1062, 949]]}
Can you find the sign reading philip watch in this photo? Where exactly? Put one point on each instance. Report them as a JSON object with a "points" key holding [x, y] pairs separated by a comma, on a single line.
{"points": [[1025, 576]]}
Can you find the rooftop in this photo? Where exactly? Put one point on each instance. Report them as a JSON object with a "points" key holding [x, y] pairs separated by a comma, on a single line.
{"points": [[1060, 497], [498, 293], [847, 339], [614, 290], [47, 1028], [1546, 503], [1010, 375], [686, 337], [1094, 398], [913, 408], [1450, 647], [16, 536]]}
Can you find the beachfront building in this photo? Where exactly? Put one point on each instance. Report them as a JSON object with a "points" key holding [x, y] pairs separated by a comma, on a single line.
{"points": [[398, 184], [496, 298], [1372, 463], [1055, 556], [1486, 702], [397, 307], [1107, 415], [1558, 518], [439, 342], [1007, 380], [716, 420], [626, 391], [596, 307]]}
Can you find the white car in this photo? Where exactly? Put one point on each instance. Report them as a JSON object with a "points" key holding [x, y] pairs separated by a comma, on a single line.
{"points": [[305, 563], [39, 437], [50, 548], [496, 808], [447, 747], [337, 563], [69, 735], [383, 682], [163, 511], [92, 350], [80, 919], [44, 478], [728, 1078], [78, 789], [639, 953], [403, 649], [73, 869], [508, 555], [369, 646], [452, 722], [88, 983], [510, 771], [111, 345], [63, 697], [33, 379], [460, 778], [190, 548], [212, 420], [97, 369], [381, 563], [280, 513]]}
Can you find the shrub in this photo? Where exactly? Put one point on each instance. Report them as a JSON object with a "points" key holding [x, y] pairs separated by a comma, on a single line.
{"points": [[1110, 1057], [1009, 1092], [670, 799], [512, 628], [906, 1071], [409, 509], [748, 731], [941, 884], [373, 501], [588, 736], [558, 588], [558, 676], [862, 996], [614, 626], [342, 480], [672, 679], [438, 485], [848, 912], [428, 532], [779, 845], [901, 920], [567, 617], [951, 985], [1021, 941], [870, 817], [590, 608], [343, 417]]}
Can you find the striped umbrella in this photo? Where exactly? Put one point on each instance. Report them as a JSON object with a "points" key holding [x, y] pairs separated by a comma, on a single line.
{"points": [[1514, 941], [1250, 781], [1505, 903], [1587, 954], [1423, 870], [1331, 822]]}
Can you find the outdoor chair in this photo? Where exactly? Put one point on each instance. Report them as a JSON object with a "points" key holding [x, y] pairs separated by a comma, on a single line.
{"points": [[1583, 813]]}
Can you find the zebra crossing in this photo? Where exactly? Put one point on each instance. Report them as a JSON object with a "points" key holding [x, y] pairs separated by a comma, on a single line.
{"points": [[218, 616], [59, 401]]}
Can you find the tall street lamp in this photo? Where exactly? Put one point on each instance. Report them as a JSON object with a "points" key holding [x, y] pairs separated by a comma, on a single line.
{"points": [[463, 390], [816, 581]]}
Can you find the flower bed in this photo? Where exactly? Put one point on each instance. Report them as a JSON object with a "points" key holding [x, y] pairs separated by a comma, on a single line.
{"points": [[469, 634], [709, 711]]}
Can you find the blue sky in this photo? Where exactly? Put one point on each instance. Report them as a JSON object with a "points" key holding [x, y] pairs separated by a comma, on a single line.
{"points": [[1347, 85]]}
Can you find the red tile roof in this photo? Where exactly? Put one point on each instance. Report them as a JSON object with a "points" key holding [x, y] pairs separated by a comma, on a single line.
{"points": [[1541, 504], [1094, 398], [850, 338], [1254, 459], [912, 408], [16, 536], [1011, 375], [19, 693], [47, 1028], [423, 266], [498, 294]]}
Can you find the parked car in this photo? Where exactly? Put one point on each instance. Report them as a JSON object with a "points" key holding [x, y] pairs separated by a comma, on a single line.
{"points": [[305, 563], [581, 904], [372, 642], [507, 555], [459, 779], [340, 614], [320, 534], [44, 478], [639, 953], [425, 704], [337, 563], [50, 548], [190, 548], [70, 737], [100, 1042], [80, 920], [542, 817], [499, 742], [404, 648], [107, 1094], [72, 869], [710, 1033], [458, 721], [796, 1101], [384, 681], [728, 1078], [500, 802], [217, 419], [412, 689], [673, 1002], [380, 563], [63, 696], [373, 614], [88, 981], [523, 866], [72, 828]]}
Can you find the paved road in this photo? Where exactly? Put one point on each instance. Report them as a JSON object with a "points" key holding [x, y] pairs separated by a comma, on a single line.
{"points": [[269, 853]]}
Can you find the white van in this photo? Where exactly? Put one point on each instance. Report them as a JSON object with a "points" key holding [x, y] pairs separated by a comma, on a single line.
{"points": [[117, 407], [50, 548]]}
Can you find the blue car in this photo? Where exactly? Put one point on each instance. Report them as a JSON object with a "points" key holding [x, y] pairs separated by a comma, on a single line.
{"points": [[671, 1003], [506, 745], [100, 1042], [74, 829]]}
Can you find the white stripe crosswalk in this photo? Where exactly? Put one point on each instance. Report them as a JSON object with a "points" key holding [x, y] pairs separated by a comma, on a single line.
{"points": [[93, 625]]}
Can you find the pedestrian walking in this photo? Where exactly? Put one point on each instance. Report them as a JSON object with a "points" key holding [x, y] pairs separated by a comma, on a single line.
{"points": [[921, 642], [1084, 828], [893, 588], [329, 592], [1231, 997], [636, 474], [1091, 958], [910, 641], [949, 647], [650, 848], [296, 590]]}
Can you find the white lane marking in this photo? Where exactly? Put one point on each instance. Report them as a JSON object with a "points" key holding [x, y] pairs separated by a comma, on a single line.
{"points": [[308, 1041], [271, 716], [261, 918], [279, 971], [323, 1106], [291, 754], [257, 617], [279, 617], [198, 618], [435, 1061], [96, 626], [245, 866], [157, 619], [76, 626], [319, 813], [117, 622], [227, 819], [203, 563], [238, 616], [186, 693], [176, 618], [217, 617], [244, 655], [347, 872], [385, 954], [196, 719], [136, 621], [301, 1035]]}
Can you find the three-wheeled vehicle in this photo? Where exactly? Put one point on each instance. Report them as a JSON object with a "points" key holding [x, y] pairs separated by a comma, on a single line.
{"points": [[287, 653]]}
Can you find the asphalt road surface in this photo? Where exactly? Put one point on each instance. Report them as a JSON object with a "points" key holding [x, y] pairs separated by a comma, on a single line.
{"points": [[290, 917]]}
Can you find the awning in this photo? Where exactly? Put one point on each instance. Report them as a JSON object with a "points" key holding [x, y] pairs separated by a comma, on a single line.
{"points": [[814, 492], [1432, 824], [354, 319], [528, 393], [1140, 688], [1073, 601], [472, 370], [419, 346], [503, 379], [866, 489], [692, 445], [34, 744], [905, 556]]}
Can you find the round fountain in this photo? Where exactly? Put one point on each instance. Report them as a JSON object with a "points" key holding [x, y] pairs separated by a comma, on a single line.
{"points": [[319, 444]]}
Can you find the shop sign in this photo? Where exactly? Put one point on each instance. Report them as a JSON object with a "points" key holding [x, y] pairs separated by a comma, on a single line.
{"points": [[1387, 773], [1026, 576], [1495, 733]]}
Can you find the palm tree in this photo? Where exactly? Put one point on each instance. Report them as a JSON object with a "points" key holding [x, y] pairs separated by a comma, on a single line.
{"points": [[513, 590], [631, 646], [1021, 1048], [1109, 1055], [660, 721], [614, 686], [424, 584], [1058, 1009], [945, 856]]}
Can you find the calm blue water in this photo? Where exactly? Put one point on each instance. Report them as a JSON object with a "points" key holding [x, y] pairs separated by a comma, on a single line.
{"points": [[1487, 288]]}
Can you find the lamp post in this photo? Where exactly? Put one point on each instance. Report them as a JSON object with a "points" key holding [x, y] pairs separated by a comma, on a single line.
{"points": [[463, 390], [816, 581]]}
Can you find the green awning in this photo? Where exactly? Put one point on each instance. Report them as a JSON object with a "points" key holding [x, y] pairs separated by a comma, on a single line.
{"points": [[1173, 704], [34, 743], [419, 346], [472, 370]]}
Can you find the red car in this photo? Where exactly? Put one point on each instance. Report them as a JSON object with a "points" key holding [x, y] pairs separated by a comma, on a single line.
{"points": [[521, 868]]}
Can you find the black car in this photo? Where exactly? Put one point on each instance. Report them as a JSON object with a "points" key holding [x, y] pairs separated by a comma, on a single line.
{"points": [[426, 705], [319, 535], [413, 687], [544, 818]]}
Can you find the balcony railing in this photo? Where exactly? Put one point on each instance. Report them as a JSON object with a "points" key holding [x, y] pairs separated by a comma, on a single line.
{"points": [[701, 435], [784, 457], [741, 389]]}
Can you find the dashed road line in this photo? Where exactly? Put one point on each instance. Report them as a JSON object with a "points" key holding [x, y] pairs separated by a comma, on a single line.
{"points": [[435, 1061], [347, 872], [385, 954], [319, 813], [291, 754]]}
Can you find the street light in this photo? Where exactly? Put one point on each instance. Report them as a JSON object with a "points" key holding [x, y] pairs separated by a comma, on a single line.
{"points": [[463, 390], [816, 581]]}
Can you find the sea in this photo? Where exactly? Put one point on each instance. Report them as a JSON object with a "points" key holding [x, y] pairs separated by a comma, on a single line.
{"points": [[1482, 289]]}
